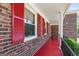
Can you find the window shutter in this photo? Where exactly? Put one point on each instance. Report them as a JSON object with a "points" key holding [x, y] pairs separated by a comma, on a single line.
{"points": [[47, 27], [17, 23], [43, 26], [38, 25]]}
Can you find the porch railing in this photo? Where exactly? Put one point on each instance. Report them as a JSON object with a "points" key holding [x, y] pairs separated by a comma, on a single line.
{"points": [[67, 51]]}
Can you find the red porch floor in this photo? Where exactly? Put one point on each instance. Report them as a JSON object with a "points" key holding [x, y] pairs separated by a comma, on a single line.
{"points": [[51, 48]]}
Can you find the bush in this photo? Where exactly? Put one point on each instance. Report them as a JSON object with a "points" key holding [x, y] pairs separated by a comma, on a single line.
{"points": [[73, 45]]}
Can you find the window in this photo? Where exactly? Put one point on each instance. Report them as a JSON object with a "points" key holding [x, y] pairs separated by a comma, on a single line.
{"points": [[29, 23]]}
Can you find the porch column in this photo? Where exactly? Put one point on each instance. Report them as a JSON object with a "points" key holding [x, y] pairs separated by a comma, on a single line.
{"points": [[61, 17]]}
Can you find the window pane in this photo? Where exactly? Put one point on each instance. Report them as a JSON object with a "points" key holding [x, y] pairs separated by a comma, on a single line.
{"points": [[29, 16], [29, 30], [29, 23]]}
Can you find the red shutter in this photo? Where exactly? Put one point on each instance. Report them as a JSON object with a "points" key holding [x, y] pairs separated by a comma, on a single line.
{"points": [[38, 25], [43, 26], [47, 27], [17, 23]]}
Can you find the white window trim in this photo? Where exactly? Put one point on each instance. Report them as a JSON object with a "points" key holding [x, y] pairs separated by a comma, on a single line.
{"points": [[45, 33], [34, 36], [29, 38]]}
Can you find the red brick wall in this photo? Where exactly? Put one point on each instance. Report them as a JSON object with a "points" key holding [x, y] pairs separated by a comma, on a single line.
{"points": [[5, 28], [6, 47], [69, 25]]}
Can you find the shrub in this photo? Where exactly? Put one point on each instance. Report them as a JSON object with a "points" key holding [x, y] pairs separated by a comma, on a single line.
{"points": [[73, 45]]}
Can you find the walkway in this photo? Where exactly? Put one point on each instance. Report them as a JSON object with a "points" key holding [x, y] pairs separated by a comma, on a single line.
{"points": [[51, 48]]}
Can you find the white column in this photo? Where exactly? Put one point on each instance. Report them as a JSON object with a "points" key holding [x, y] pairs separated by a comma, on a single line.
{"points": [[60, 26]]}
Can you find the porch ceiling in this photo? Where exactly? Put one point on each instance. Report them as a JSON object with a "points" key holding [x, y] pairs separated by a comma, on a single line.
{"points": [[51, 10]]}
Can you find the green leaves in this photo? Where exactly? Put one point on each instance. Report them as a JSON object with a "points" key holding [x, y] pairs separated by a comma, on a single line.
{"points": [[73, 45]]}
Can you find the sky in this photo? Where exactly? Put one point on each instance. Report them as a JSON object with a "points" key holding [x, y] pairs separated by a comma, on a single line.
{"points": [[74, 6]]}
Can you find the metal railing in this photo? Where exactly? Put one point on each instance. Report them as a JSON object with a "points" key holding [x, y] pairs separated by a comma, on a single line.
{"points": [[67, 51]]}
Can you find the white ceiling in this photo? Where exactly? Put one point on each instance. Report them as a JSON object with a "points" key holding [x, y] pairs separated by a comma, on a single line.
{"points": [[51, 10]]}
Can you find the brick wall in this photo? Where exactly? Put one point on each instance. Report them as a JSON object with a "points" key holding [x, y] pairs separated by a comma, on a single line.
{"points": [[22, 49], [69, 25], [5, 28]]}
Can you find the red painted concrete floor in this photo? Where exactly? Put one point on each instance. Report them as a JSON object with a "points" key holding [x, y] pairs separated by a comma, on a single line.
{"points": [[51, 48]]}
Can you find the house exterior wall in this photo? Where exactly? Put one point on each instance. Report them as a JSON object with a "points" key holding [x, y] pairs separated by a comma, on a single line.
{"points": [[27, 48], [70, 25], [54, 30]]}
